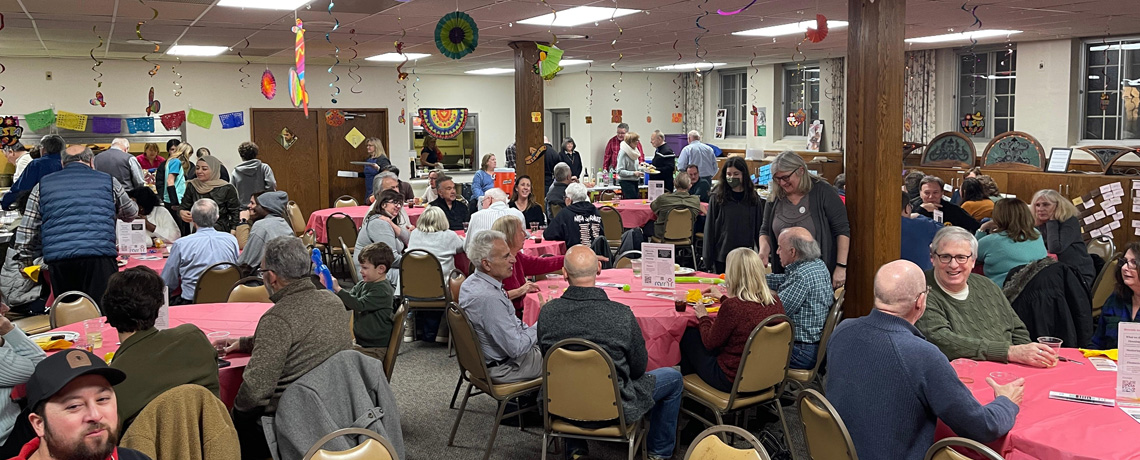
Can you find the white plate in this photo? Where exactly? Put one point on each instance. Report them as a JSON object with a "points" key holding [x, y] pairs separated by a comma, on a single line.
{"points": [[683, 271], [67, 335]]}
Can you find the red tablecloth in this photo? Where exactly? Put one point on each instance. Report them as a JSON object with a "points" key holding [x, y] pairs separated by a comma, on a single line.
{"points": [[661, 324], [636, 213], [135, 260], [1059, 430], [530, 247], [239, 319], [318, 218]]}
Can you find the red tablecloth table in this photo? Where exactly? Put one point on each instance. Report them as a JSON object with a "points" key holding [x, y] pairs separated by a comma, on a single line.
{"points": [[1060, 430], [530, 247], [318, 218], [661, 324], [239, 319], [636, 213], [136, 260]]}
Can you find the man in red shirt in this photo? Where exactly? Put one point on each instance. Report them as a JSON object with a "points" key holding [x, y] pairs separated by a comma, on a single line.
{"points": [[613, 147]]}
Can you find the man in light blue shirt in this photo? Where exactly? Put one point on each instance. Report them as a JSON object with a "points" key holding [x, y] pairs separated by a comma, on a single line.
{"points": [[192, 255], [700, 154]]}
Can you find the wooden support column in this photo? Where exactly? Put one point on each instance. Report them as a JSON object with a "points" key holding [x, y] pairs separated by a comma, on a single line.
{"points": [[528, 100], [874, 143]]}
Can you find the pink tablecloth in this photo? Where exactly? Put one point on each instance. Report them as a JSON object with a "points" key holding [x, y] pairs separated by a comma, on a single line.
{"points": [[239, 319], [661, 324], [135, 260], [1059, 430], [318, 218], [530, 248], [636, 213]]}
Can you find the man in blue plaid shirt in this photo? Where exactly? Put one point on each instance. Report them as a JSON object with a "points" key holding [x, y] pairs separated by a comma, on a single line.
{"points": [[805, 290]]}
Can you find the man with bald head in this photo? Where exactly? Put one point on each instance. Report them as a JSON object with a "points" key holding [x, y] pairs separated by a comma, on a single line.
{"points": [[805, 290], [891, 386], [585, 311]]}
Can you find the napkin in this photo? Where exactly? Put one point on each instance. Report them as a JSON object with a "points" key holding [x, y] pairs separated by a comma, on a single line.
{"points": [[33, 273], [49, 345], [1113, 354]]}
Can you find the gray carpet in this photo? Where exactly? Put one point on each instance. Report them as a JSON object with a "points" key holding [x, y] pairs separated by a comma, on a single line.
{"points": [[423, 381]]}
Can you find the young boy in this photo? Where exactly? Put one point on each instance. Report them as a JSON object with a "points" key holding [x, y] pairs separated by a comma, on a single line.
{"points": [[371, 301]]}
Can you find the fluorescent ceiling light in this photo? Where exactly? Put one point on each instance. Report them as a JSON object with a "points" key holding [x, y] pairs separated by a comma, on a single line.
{"points": [[195, 50], [396, 57], [691, 66], [490, 71], [962, 36], [575, 61], [265, 4], [1117, 47], [788, 29], [577, 16]]}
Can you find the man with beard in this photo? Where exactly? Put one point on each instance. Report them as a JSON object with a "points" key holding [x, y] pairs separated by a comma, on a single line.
{"points": [[74, 411], [267, 213]]}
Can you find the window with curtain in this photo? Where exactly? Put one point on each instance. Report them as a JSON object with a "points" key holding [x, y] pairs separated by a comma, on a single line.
{"points": [[801, 90], [1111, 77], [734, 98], [981, 75]]}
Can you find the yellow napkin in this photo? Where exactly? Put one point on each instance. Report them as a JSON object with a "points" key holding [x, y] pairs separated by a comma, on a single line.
{"points": [[1113, 354], [712, 309], [33, 273], [49, 345]]}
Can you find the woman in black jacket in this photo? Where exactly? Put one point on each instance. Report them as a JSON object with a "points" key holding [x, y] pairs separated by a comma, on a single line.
{"points": [[734, 217], [208, 184], [570, 152], [1059, 222]]}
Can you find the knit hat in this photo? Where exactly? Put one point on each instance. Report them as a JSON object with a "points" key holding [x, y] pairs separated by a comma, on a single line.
{"points": [[274, 202]]}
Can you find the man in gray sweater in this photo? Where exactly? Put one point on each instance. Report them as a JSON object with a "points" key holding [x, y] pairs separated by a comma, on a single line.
{"points": [[268, 217]]}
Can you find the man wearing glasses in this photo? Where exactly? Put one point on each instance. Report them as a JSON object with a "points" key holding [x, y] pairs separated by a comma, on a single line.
{"points": [[967, 315]]}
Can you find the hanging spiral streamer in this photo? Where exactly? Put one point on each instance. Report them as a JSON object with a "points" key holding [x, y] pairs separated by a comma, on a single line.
{"points": [[553, 36], [354, 66], [730, 13], [177, 86], [336, 55], [704, 30], [400, 74], [2, 67], [589, 86], [752, 78], [241, 69], [649, 94], [613, 46], [973, 46], [138, 33], [677, 84], [98, 82], [415, 91]]}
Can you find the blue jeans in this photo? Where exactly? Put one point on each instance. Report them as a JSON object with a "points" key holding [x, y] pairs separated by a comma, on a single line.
{"points": [[803, 355], [662, 438]]}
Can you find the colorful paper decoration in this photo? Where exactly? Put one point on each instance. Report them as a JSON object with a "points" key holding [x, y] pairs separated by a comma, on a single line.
{"points": [[140, 125], [615, 116], [152, 105], [72, 121], [456, 35], [678, 117], [907, 124], [817, 34], [548, 59], [648, 119], [335, 117], [103, 125], [297, 93], [232, 120], [536, 117], [354, 138], [99, 99], [795, 119], [973, 123], [444, 123], [268, 84], [730, 13], [200, 118], [10, 131], [403, 117], [40, 120], [535, 154], [589, 120], [172, 121], [1104, 102]]}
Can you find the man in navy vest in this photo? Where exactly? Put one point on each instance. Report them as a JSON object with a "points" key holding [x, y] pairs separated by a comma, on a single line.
{"points": [[70, 221]]}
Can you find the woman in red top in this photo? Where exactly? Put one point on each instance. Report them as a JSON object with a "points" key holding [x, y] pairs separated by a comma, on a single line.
{"points": [[712, 350], [517, 285], [150, 159]]}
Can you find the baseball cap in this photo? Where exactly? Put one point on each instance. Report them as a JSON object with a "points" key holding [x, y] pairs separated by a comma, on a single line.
{"points": [[58, 370]]}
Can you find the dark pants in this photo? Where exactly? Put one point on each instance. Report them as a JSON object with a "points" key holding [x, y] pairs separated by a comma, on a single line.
{"points": [[251, 435], [84, 274], [696, 359], [629, 189]]}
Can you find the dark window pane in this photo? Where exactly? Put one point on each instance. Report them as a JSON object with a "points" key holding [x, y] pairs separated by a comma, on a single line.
{"points": [[1095, 79], [1113, 80], [1094, 128], [1001, 125], [1002, 86], [1111, 126], [1096, 57], [1001, 107]]}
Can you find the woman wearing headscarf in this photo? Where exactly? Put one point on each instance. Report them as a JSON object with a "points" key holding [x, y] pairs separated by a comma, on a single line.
{"points": [[629, 177], [208, 184], [205, 152]]}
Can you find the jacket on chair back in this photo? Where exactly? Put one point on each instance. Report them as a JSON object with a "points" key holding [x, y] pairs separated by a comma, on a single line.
{"points": [[1052, 300], [78, 208]]}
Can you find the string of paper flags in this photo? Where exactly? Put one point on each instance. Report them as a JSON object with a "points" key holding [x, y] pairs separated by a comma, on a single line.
{"points": [[110, 125]]}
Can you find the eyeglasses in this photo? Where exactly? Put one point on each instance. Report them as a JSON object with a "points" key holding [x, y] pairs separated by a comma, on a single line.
{"points": [[920, 294], [396, 203], [1131, 263], [260, 273], [960, 258], [787, 176]]}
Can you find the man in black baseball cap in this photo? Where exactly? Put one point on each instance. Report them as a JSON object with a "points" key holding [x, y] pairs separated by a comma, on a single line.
{"points": [[74, 411]]}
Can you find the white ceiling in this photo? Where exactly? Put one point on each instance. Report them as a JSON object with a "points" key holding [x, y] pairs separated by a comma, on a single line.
{"points": [[62, 28]]}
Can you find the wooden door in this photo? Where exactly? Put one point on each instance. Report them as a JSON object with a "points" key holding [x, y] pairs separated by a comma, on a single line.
{"points": [[340, 154], [296, 167]]}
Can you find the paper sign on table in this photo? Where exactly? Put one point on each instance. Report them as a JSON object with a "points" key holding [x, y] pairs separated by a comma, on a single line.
{"points": [[657, 265], [1128, 366], [656, 189], [1103, 364], [132, 237], [937, 215], [163, 320]]}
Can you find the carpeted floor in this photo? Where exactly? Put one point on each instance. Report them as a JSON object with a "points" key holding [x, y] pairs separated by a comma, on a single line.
{"points": [[424, 379]]}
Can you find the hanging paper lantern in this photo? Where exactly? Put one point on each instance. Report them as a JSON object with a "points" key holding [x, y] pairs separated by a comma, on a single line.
{"points": [[819, 33], [456, 35], [334, 117], [443, 123], [268, 85], [297, 94]]}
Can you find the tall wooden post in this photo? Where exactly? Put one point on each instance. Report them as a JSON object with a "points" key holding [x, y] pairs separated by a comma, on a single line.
{"points": [[874, 142], [528, 101]]}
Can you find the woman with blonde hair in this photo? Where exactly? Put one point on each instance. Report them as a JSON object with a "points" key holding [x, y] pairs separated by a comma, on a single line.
{"points": [[1060, 225], [378, 158], [484, 179], [629, 177], [1009, 240], [712, 350], [432, 234], [430, 156]]}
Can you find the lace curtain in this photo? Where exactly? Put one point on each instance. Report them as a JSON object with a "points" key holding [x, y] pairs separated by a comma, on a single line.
{"points": [[918, 97]]}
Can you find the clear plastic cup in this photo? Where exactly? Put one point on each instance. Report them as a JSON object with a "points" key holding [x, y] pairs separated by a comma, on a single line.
{"points": [[965, 368], [214, 337], [1003, 377], [93, 333], [1051, 342]]}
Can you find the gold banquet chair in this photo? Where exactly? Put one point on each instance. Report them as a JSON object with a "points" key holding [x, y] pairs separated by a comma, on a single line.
{"points": [[296, 218], [944, 450], [74, 311], [395, 340], [243, 292], [824, 432], [611, 226], [679, 232], [709, 446], [345, 201], [802, 378], [373, 448], [216, 282]]}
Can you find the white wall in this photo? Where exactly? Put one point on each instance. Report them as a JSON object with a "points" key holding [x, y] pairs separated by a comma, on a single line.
{"points": [[1046, 101], [492, 97]]}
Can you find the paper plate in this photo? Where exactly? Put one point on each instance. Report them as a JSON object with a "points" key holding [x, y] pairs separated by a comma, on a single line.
{"points": [[684, 271], [46, 336]]}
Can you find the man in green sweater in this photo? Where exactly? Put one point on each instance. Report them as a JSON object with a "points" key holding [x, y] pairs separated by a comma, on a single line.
{"points": [[370, 301], [967, 316]]}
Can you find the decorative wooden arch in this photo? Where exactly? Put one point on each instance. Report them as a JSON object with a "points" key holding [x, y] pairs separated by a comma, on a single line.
{"points": [[909, 147], [1108, 155], [950, 149], [1014, 150]]}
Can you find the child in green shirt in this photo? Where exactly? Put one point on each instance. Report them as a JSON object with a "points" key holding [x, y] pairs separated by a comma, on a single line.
{"points": [[371, 300]]}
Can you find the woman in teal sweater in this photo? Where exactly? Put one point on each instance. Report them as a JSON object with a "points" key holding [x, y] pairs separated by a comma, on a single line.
{"points": [[1009, 240]]}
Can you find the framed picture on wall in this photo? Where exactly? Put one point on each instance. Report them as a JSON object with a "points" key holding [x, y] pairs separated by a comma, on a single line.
{"points": [[721, 115]]}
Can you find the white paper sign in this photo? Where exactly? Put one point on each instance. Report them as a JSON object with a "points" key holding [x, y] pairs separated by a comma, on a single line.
{"points": [[656, 189], [1105, 189], [1128, 366], [1088, 204], [1118, 216], [947, 188], [1095, 233], [1098, 215], [1133, 412], [938, 215], [163, 320], [1118, 188], [1109, 210], [1103, 364], [657, 265], [132, 237], [1090, 219], [1114, 225]]}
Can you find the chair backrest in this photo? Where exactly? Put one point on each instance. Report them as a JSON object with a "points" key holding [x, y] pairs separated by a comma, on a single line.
{"points": [[944, 450], [611, 224], [833, 318], [296, 218], [1104, 285], [394, 342], [63, 312], [373, 448], [243, 292], [555, 208], [1102, 246], [350, 262], [824, 432], [309, 238], [764, 363], [216, 282], [421, 280], [679, 226], [606, 195], [241, 232], [467, 348], [345, 201], [340, 226], [624, 259], [455, 280], [709, 446], [579, 383]]}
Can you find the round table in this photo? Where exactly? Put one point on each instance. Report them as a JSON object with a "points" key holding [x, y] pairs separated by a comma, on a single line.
{"points": [[239, 319], [319, 218], [154, 258], [636, 213], [531, 248], [661, 324]]}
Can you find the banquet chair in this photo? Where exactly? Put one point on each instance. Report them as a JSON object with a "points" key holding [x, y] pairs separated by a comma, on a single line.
{"points": [[759, 380], [679, 232], [395, 340], [296, 218], [474, 363], [1102, 247], [802, 378], [216, 282], [243, 292], [555, 208], [33, 324], [824, 432], [373, 448], [625, 259], [340, 226], [1104, 285], [708, 446], [611, 226], [64, 313], [579, 383], [944, 450], [241, 232], [350, 263], [606, 195], [345, 201]]}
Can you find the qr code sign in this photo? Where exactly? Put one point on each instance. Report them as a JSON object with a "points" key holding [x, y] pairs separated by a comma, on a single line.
{"points": [[1128, 386]]}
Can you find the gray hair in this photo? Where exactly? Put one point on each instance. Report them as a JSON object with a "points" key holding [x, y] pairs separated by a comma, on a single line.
{"points": [[681, 181], [789, 161], [949, 234], [658, 134], [577, 193], [386, 175], [695, 135], [86, 156], [806, 249], [932, 180], [205, 213], [561, 172], [121, 143], [496, 195], [286, 256], [624, 126], [479, 246], [432, 220]]}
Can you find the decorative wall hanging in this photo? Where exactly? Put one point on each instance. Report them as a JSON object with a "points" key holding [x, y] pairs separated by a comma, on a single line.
{"points": [[334, 117], [678, 117], [589, 120], [536, 117], [817, 34], [443, 123], [353, 65], [102, 125], [172, 121], [94, 31], [704, 30], [268, 84], [336, 55], [949, 149], [177, 86], [535, 154], [403, 117], [297, 94], [354, 138], [1105, 102], [973, 123], [548, 59], [10, 131], [649, 95], [401, 76], [795, 119], [98, 99], [232, 120], [200, 118], [138, 33], [613, 46], [152, 105], [287, 138], [40, 120], [761, 121], [615, 116], [456, 35], [590, 95], [140, 125], [241, 68]]}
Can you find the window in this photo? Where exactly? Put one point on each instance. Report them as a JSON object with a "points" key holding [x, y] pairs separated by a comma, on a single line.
{"points": [[734, 98], [1111, 90], [979, 76], [801, 91]]}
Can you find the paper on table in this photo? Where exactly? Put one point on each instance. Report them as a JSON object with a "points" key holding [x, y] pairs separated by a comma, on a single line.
{"points": [[131, 237], [657, 265], [1133, 412], [656, 189], [1128, 366], [660, 296], [1103, 364]]}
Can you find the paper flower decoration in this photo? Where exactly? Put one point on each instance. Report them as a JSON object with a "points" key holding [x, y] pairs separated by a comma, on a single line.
{"points": [[456, 35], [819, 33], [334, 117], [549, 57], [443, 123], [99, 99], [268, 85]]}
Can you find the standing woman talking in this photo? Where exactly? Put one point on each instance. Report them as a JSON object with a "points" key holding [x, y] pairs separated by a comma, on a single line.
{"points": [[628, 175], [177, 167], [378, 158], [734, 217], [430, 156]]}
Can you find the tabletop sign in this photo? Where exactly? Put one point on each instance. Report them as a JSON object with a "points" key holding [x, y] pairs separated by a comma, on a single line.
{"points": [[162, 322], [1128, 366], [657, 265], [132, 237], [656, 189]]}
